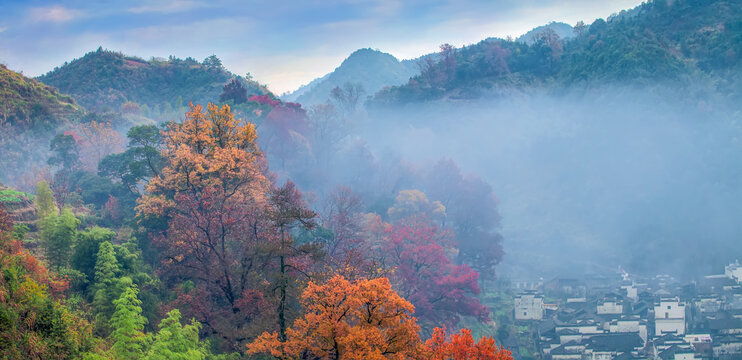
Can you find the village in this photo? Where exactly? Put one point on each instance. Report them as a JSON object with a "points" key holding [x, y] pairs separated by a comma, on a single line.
{"points": [[628, 317]]}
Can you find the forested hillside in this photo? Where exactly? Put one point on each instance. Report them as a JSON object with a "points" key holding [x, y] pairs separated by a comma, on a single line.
{"points": [[169, 209], [26, 103], [682, 41], [105, 80]]}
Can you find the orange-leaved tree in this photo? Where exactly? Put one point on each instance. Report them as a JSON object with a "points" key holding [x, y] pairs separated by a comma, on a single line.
{"points": [[364, 319], [461, 346], [207, 208]]}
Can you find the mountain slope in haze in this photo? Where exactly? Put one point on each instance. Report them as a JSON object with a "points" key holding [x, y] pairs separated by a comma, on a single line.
{"points": [[682, 40], [30, 114], [372, 69], [106, 79], [565, 31], [27, 103]]}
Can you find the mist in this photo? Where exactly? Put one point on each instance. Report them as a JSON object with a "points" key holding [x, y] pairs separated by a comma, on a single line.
{"points": [[590, 180]]}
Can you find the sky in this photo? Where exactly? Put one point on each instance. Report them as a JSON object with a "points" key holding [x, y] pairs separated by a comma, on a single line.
{"points": [[283, 44]]}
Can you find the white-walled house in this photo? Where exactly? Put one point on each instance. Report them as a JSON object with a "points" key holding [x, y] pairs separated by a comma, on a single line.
{"points": [[669, 317], [610, 306], [734, 271], [529, 306]]}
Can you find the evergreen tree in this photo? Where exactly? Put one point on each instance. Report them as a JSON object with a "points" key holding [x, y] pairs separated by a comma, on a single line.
{"points": [[174, 341], [45, 200], [58, 236], [127, 325], [108, 286], [86, 250]]}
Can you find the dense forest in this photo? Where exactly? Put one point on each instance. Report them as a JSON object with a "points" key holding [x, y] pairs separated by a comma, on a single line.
{"points": [[641, 46], [170, 209]]}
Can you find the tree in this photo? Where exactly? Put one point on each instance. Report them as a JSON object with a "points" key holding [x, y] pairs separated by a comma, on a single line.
{"points": [[141, 160], [580, 28], [177, 342], [414, 203], [58, 237], [287, 210], [327, 130], [108, 285], [127, 324], [461, 346], [441, 291], [96, 141], [365, 319], [284, 132], [213, 63], [549, 38], [87, 247], [472, 213], [448, 56], [35, 322], [342, 216], [235, 91], [65, 152], [45, 200], [212, 194], [347, 98], [66, 157]]}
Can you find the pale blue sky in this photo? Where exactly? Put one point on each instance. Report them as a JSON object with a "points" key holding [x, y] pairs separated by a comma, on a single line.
{"points": [[283, 44]]}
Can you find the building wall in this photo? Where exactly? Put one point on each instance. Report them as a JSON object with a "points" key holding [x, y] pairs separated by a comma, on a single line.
{"points": [[672, 309], [662, 326], [669, 316], [685, 357], [529, 307], [610, 307]]}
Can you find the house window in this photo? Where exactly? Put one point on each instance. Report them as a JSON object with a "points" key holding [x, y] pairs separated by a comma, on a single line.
{"points": [[525, 313], [667, 315], [668, 307]]}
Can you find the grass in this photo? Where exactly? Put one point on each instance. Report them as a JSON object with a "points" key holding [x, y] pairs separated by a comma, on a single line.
{"points": [[12, 196]]}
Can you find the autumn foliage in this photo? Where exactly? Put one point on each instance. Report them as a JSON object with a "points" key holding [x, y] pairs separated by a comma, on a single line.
{"points": [[461, 346], [34, 322], [358, 320], [211, 194], [441, 291], [366, 319]]}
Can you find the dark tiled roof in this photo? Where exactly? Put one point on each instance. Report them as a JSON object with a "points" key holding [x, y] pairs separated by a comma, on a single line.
{"points": [[615, 342]]}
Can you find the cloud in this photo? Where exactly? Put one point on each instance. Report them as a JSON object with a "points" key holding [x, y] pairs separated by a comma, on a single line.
{"points": [[3, 29], [167, 7], [55, 14]]}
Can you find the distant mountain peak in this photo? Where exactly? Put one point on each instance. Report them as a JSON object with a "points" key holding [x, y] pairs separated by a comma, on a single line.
{"points": [[372, 68]]}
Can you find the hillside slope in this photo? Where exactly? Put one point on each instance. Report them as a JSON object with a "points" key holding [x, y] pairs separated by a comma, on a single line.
{"points": [[26, 103], [682, 40], [106, 79], [372, 69]]}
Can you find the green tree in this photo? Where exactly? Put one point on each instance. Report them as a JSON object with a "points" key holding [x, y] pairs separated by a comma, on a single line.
{"points": [[174, 341], [108, 284], [213, 62], [65, 153], [86, 250], [45, 200], [141, 161], [127, 325], [58, 237]]}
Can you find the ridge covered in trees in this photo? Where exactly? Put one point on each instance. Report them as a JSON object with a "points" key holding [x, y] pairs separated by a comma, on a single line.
{"points": [[658, 41], [105, 79], [27, 103]]}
